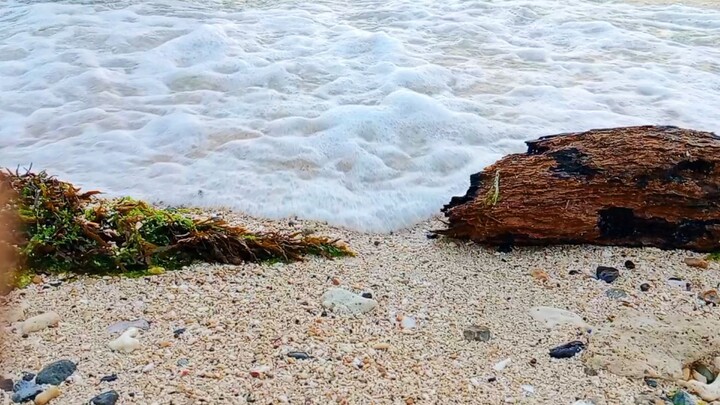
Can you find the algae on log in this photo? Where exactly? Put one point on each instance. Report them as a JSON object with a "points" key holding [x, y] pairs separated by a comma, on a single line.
{"points": [[634, 186]]}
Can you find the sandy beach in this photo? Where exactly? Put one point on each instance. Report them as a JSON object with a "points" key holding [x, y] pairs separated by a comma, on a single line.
{"points": [[222, 334]]}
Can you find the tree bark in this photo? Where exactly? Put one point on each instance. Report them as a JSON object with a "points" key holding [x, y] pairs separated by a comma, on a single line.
{"points": [[636, 186]]}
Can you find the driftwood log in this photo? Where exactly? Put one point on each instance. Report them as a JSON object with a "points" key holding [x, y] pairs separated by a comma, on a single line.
{"points": [[637, 186]]}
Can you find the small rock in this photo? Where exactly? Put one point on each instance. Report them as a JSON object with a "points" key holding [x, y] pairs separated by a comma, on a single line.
{"points": [[345, 302], [501, 365], [381, 346], [528, 389], [6, 384], [644, 287], [48, 395], [651, 383], [178, 332], [676, 282], [607, 274], [126, 343], [148, 368], [37, 279], [55, 373], [24, 391], [699, 377], [573, 272], [696, 262], [555, 316], [540, 275], [40, 322], [106, 398], [710, 297], [683, 398], [259, 372], [122, 326], [629, 264], [56, 283], [109, 378], [408, 322], [686, 373], [335, 281], [183, 362], [615, 293], [367, 295], [28, 376], [477, 333], [299, 355], [567, 350], [705, 372]]}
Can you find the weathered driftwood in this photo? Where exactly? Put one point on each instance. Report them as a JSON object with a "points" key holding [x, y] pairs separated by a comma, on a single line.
{"points": [[638, 186]]}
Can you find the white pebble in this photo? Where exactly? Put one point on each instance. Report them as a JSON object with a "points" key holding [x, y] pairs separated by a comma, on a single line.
{"points": [[150, 367], [408, 322], [40, 322], [344, 302], [126, 343], [555, 316], [529, 389], [501, 365]]}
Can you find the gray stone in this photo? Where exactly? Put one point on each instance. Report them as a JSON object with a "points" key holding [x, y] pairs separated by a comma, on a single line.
{"points": [[55, 373], [122, 326], [477, 333], [615, 293], [106, 398], [25, 391]]}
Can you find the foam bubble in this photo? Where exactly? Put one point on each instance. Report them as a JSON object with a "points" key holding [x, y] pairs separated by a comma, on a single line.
{"points": [[367, 115]]}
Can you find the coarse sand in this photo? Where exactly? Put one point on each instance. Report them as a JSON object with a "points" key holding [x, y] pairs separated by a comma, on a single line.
{"points": [[241, 321]]}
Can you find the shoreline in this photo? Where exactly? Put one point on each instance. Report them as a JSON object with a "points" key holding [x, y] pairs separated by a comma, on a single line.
{"points": [[239, 318]]}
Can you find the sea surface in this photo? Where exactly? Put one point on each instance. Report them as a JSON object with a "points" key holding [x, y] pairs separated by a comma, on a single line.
{"points": [[365, 114]]}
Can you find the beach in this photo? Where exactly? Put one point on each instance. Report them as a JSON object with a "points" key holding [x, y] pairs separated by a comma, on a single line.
{"points": [[222, 334]]}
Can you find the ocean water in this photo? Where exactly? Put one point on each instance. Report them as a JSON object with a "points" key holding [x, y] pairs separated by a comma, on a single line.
{"points": [[365, 114]]}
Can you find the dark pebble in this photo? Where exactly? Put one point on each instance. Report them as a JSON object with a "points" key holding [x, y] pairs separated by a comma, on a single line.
{"points": [[376, 243], [109, 378], [25, 391], [573, 272], [533, 361], [299, 355], [28, 376], [629, 264], [607, 274], [567, 350], [55, 283], [6, 384], [55, 373], [106, 398], [178, 332], [367, 295], [644, 287], [431, 235], [651, 383], [492, 379]]}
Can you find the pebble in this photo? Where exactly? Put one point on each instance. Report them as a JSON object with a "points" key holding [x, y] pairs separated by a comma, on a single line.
{"points": [[696, 262], [567, 350], [178, 332], [629, 264], [705, 372], [477, 333], [651, 383], [148, 368], [710, 297], [47, 395], [676, 282], [367, 295], [183, 362], [345, 302], [37, 279], [106, 398], [408, 322], [126, 343], [501, 365], [299, 355], [381, 346], [259, 372], [109, 378], [555, 316], [122, 326], [24, 391], [55, 373], [40, 322], [607, 274], [615, 293], [644, 287], [528, 389], [6, 384]]}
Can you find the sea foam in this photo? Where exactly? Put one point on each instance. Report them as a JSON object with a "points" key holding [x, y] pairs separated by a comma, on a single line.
{"points": [[366, 114]]}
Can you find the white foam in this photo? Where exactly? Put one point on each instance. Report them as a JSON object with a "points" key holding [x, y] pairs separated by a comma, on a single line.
{"points": [[364, 114]]}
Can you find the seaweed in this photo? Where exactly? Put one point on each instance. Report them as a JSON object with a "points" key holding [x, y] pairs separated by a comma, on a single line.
{"points": [[61, 229]]}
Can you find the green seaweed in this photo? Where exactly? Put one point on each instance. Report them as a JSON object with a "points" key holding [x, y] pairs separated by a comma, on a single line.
{"points": [[62, 230]]}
